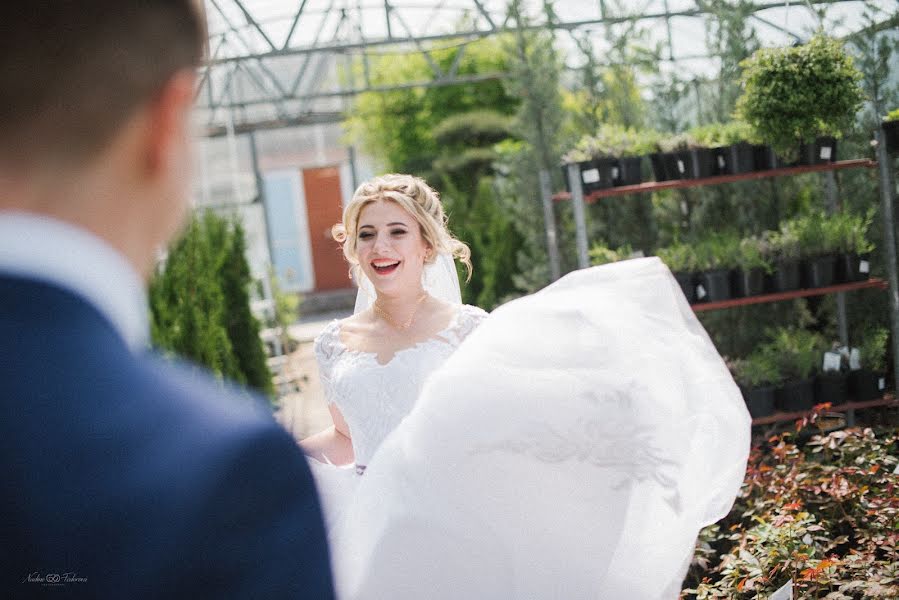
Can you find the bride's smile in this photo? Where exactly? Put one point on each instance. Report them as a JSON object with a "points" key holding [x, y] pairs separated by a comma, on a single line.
{"points": [[391, 248]]}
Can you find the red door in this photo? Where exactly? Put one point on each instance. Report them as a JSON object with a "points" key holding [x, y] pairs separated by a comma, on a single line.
{"points": [[323, 208]]}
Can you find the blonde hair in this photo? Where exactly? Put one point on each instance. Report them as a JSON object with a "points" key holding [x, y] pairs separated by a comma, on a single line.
{"points": [[418, 199]]}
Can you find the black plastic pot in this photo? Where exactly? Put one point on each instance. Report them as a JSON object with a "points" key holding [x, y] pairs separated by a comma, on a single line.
{"points": [[684, 164], [657, 161], [795, 395], [629, 171], [759, 401], [703, 163], [715, 285], [822, 150], [677, 164], [740, 158], [748, 283], [687, 282], [866, 385], [603, 168], [786, 276], [852, 267], [722, 160], [891, 135], [831, 387], [818, 272], [766, 158]]}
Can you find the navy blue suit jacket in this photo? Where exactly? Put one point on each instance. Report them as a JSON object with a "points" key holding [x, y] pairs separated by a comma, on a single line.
{"points": [[128, 477]]}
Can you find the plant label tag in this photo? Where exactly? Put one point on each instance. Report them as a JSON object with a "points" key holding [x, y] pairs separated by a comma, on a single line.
{"points": [[855, 359], [882, 383], [684, 209], [590, 175], [721, 163], [826, 152], [681, 167], [864, 266], [831, 361], [784, 593], [700, 291]]}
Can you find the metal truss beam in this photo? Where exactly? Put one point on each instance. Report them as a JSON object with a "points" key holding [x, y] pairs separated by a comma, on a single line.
{"points": [[253, 81]]}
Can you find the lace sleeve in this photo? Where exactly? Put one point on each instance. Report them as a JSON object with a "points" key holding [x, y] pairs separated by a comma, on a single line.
{"points": [[469, 319], [326, 350]]}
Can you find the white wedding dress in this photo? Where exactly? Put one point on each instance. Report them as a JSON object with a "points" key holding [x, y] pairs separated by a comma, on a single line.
{"points": [[571, 446], [373, 397]]}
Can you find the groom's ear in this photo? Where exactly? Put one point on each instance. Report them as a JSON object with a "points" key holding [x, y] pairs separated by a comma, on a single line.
{"points": [[166, 125]]}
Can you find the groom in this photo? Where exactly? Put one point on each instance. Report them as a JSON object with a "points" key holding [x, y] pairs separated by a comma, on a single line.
{"points": [[122, 476]]}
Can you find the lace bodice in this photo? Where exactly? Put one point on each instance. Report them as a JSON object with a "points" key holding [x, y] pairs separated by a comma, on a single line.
{"points": [[373, 397]]}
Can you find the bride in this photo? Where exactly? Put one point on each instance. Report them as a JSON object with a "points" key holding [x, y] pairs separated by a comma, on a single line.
{"points": [[409, 318], [572, 446]]}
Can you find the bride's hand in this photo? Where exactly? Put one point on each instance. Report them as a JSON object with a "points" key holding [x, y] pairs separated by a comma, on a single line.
{"points": [[329, 446]]}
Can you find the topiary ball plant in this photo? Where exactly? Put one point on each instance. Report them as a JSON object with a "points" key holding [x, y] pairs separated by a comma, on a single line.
{"points": [[795, 94]]}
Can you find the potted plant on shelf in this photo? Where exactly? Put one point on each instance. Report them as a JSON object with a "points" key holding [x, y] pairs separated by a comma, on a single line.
{"points": [[752, 267], [676, 159], [867, 379], [832, 382], [600, 254], [798, 353], [854, 249], [681, 259], [716, 258], [782, 248], [634, 146], [595, 173], [891, 130], [806, 94], [818, 246], [707, 151], [757, 376], [610, 157]]}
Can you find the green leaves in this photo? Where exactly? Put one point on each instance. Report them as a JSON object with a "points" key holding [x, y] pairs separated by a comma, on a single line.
{"points": [[613, 141], [756, 370], [795, 94], [600, 254], [199, 303], [873, 349], [823, 515]]}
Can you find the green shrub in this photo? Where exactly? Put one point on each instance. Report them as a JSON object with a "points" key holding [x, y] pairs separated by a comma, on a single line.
{"points": [[753, 254], [716, 135], [612, 141], [677, 142], [782, 245], [600, 254], [850, 232], [893, 115], [680, 258], [873, 349], [798, 352], [794, 94], [823, 515], [756, 370], [718, 251]]}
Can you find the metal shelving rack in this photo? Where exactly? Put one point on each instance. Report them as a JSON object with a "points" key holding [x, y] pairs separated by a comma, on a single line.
{"points": [[578, 199]]}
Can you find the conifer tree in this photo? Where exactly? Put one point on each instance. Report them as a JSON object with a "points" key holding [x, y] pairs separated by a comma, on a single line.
{"points": [[199, 303], [242, 327]]}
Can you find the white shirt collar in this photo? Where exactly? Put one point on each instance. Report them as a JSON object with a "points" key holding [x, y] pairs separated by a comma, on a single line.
{"points": [[42, 248]]}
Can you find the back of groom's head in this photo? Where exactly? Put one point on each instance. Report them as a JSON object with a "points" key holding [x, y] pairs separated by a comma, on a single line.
{"points": [[72, 72]]}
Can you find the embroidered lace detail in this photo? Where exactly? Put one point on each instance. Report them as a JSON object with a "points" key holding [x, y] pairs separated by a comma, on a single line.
{"points": [[631, 452], [374, 397]]}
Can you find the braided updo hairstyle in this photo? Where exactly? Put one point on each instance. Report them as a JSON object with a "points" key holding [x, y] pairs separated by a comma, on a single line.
{"points": [[418, 199]]}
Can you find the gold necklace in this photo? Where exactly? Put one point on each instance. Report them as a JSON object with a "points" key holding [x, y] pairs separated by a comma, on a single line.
{"points": [[407, 324]]}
